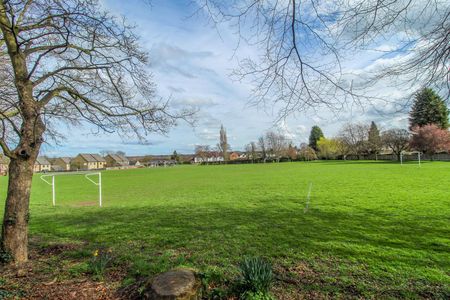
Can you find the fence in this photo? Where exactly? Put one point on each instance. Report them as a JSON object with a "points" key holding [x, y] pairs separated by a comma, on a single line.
{"points": [[385, 157], [393, 157]]}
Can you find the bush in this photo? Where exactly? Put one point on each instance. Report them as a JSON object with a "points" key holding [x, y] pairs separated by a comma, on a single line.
{"points": [[5, 257], [256, 277]]}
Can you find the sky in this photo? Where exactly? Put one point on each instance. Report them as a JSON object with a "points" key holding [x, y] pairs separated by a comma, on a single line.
{"points": [[191, 61]]}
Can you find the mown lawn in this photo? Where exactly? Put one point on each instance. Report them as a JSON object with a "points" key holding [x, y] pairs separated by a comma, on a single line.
{"points": [[372, 229]]}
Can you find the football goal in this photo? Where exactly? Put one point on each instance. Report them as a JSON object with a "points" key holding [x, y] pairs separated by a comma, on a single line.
{"points": [[418, 157], [90, 176]]}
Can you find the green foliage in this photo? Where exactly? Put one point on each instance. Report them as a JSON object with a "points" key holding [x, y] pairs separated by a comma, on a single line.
{"points": [[5, 256], [428, 108], [101, 259], [214, 284], [10, 291], [328, 148], [314, 136], [256, 296], [256, 275], [79, 269]]}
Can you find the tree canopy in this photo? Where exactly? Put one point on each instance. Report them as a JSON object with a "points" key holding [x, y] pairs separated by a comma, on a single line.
{"points": [[430, 139], [303, 47], [397, 140], [314, 136], [428, 108]]}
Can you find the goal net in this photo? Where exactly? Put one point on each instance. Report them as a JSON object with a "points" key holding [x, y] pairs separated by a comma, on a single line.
{"points": [[94, 178]]}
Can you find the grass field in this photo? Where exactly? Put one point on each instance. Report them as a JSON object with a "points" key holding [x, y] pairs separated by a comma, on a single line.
{"points": [[372, 229]]}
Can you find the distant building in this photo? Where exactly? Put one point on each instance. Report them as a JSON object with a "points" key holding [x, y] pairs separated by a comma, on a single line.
{"points": [[4, 165], [60, 163], [212, 156], [116, 160], [136, 164], [42, 165], [87, 161], [162, 163], [234, 156]]}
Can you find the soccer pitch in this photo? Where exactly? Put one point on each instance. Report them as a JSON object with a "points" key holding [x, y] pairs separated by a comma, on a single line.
{"points": [[372, 229]]}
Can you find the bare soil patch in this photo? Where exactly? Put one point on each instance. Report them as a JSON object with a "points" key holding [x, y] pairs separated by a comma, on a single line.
{"points": [[85, 203]]}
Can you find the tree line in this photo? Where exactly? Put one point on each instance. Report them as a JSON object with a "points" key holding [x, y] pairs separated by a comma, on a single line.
{"points": [[427, 133]]}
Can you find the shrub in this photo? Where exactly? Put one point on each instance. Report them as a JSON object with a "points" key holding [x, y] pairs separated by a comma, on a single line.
{"points": [[5, 257], [99, 262], [256, 276]]}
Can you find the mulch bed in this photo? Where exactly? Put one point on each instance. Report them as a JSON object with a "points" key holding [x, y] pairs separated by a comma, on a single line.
{"points": [[31, 283]]}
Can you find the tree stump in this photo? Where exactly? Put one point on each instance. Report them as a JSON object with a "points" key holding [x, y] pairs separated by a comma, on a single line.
{"points": [[179, 284]]}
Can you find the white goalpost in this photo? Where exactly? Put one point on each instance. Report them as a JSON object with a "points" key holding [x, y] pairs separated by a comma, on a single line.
{"points": [[418, 158], [87, 175]]}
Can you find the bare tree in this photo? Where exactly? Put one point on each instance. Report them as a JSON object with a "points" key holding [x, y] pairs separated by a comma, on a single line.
{"points": [[303, 45], [106, 152], [397, 140], [202, 151], [66, 62], [342, 147], [262, 147], [277, 144], [306, 153], [355, 137], [250, 151], [121, 153], [223, 145]]}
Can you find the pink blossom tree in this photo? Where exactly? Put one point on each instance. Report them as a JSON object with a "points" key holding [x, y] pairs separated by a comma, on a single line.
{"points": [[430, 139]]}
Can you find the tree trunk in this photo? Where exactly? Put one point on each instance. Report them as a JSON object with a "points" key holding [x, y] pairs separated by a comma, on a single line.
{"points": [[16, 216], [15, 221]]}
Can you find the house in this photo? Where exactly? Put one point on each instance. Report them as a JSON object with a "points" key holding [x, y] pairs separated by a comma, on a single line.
{"points": [[60, 163], [136, 164], [42, 165], [4, 165], [87, 161], [162, 163], [212, 156], [116, 160], [234, 156]]}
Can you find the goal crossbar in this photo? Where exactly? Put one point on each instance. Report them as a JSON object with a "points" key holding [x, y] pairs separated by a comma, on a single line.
{"points": [[87, 175], [418, 157]]}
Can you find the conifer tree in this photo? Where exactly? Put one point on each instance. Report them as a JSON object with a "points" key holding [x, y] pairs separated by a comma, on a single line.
{"points": [[314, 137], [428, 108], [374, 139]]}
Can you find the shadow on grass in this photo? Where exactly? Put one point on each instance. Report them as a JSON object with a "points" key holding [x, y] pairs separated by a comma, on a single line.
{"points": [[416, 245]]}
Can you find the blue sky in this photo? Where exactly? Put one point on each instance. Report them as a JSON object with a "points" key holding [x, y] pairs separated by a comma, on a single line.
{"points": [[191, 62]]}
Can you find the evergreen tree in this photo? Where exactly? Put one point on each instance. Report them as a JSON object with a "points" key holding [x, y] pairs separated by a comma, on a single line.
{"points": [[428, 108], [374, 139], [314, 136], [175, 156]]}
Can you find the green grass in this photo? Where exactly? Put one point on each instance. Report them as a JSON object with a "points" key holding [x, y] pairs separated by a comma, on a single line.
{"points": [[372, 229]]}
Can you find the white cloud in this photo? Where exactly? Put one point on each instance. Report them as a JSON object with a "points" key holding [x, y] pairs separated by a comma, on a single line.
{"points": [[191, 63]]}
